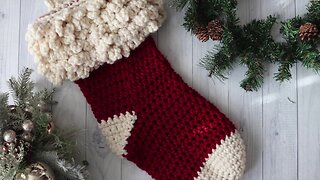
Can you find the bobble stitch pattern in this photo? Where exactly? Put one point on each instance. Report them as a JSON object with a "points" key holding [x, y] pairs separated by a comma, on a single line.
{"points": [[222, 161], [80, 35]]}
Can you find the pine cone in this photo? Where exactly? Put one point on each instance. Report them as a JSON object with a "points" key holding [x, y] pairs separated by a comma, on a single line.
{"points": [[215, 29], [308, 31], [202, 34]]}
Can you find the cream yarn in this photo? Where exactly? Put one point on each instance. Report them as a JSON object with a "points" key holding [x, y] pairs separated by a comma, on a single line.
{"points": [[117, 130], [78, 37], [226, 162], [52, 4]]}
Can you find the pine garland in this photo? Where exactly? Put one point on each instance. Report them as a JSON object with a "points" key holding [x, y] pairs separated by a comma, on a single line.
{"points": [[53, 148], [252, 45]]}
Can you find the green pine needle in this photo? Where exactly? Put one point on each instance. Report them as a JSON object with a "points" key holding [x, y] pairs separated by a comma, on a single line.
{"points": [[253, 43], [22, 90]]}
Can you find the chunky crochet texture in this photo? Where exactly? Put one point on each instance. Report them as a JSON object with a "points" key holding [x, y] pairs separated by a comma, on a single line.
{"points": [[117, 130], [81, 35], [177, 134], [53, 4]]}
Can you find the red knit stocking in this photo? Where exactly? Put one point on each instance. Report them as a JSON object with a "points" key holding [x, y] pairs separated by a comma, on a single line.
{"points": [[151, 117]]}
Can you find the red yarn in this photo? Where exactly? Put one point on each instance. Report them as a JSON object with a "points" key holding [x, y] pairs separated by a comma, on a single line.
{"points": [[176, 128]]}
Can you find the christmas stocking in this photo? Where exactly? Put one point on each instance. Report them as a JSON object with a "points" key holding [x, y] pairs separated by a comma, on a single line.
{"points": [[151, 117], [146, 113]]}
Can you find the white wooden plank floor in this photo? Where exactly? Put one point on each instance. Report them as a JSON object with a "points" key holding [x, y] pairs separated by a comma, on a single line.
{"points": [[279, 123]]}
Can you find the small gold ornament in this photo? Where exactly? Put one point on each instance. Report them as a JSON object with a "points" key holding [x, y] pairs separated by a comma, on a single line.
{"points": [[27, 125], [4, 148], [42, 106], [12, 108], [20, 176], [39, 171], [27, 136], [50, 127], [34, 176], [9, 145], [9, 136], [28, 115], [28, 109]]}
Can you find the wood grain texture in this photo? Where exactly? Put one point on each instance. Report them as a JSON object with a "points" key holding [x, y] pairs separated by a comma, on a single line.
{"points": [[9, 41], [308, 119], [279, 123], [30, 10], [279, 110], [179, 50], [103, 164], [200, 80], [245, 108], [70, 115]]}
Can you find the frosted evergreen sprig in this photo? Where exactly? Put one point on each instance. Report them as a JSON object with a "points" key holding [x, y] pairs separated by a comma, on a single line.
{"points": [[10, 162], [34, 106], [64, 169]]}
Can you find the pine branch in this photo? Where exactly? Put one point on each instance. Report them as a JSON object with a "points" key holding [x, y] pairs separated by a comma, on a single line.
{"points": [[284, 71], [313, 12], [253, 41], [30, 106], [180, 4], [62, 168], [16, 118], [290, 29], [22, 87], [218, 64], [256, 40], [191, 23], [254, 75], [309, 55], [10, 162], [228, 12], [4, 117]]}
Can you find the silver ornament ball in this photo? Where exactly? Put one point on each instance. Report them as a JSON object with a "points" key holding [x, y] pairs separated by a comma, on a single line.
{"points": [[34, 176], [3, 148], [42, 106], [8, 145], [27, 125], [40, 171], [27, 136], [29, 109], [9, 136], [20, 176], [12, 108]]}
